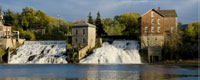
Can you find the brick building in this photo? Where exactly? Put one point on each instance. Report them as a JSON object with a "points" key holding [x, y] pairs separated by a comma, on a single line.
{"points": [[5, 31], [155, 26]]}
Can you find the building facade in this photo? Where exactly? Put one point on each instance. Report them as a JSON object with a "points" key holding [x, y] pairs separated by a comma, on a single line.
{"points": [[83, 34], [5, 31], [155, 26]]}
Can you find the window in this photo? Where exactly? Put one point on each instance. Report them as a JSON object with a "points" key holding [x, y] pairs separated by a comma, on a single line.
{"points": [[146, 29], [158, 21], [172, 29], [152, 21], [155, 38], [76, 40], [148, 38], [76, 32], [152, 14], [158, 29], [83, 40], [83, 31], [152, 29]]}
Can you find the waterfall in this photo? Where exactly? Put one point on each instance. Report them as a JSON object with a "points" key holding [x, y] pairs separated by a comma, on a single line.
{"points": [[119, 52], [40, 52]]}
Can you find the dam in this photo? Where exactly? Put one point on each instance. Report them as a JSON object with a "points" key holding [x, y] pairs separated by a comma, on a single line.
{"points": [[40, 52]]}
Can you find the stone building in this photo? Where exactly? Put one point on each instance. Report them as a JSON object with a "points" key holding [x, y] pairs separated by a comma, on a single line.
{"points": [[83, 34], [155, 26], [83, 37]]}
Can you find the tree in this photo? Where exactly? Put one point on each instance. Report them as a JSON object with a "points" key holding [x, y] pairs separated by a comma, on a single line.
{"points": [[29, 19], [11, 18], [171, 47], [112, 27], [131, 22], [99, 26], [90, 19]]}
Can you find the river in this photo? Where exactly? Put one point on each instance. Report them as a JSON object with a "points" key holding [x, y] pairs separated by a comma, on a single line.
{"points": [[99, 72]]}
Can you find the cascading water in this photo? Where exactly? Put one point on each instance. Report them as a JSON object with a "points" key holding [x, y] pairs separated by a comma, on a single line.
{"points": [[40, 52], [119, 52]]}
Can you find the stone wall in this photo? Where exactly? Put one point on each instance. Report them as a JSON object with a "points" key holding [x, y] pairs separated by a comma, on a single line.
{"points": [[151, 41], [78, 38], [10, 42], [154, 52], [83, 52], [91, 37]]}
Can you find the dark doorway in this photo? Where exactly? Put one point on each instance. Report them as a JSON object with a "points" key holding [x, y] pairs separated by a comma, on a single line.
{"points": [[155, 58]]}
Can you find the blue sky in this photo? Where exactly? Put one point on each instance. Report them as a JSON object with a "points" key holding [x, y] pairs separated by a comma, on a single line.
{"points": [[72, 10]]}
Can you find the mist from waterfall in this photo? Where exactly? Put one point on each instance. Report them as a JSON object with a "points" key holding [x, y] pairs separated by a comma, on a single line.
{"points": [[119, 52], [40, 52]]}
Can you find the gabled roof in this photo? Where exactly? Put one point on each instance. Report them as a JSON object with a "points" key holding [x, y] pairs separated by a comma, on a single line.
{"points": [[164, 13], [168, 13], [83, 24]]}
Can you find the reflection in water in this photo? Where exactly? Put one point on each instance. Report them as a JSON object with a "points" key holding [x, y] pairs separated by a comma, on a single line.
{"points": [[98, 72]]}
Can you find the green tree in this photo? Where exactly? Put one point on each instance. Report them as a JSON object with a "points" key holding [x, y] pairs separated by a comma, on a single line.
{"points": [[131, 22], [11, 18], [112, 27], [90, 19], [171, 47], [29, 19], [99, 26]]}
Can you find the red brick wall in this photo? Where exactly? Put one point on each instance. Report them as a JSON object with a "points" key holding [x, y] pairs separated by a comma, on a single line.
{"points": [[165, 24], [6, 28]]}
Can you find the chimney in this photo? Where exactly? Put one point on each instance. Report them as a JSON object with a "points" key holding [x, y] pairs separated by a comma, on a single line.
{"points": [[159, 8]]}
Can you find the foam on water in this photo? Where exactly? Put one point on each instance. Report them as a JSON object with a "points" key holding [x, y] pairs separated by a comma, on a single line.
{"points": [[119, 52], [40, 52]]}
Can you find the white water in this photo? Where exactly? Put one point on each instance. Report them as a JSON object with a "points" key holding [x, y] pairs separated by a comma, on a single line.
{"points": [[119, 52], [40, 52]]}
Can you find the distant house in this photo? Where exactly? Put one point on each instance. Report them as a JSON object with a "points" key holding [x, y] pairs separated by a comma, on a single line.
{"points": [[155, 26], [83, 34], [41, 30], [183, 27], [5, 31]]}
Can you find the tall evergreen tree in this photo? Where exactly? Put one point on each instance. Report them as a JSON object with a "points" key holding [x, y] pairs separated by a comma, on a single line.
{"points": [[90, 19], [99, 25]]}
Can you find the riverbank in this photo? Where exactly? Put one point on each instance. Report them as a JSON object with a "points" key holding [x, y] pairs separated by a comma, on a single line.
{"points": [[181, 62]]}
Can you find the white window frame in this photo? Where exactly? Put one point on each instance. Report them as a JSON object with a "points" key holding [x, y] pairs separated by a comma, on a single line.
{"points": [[172, 29], [146, 29], [158, 21], [152, 29], [158, 29], [152, 21], [152, 14]]}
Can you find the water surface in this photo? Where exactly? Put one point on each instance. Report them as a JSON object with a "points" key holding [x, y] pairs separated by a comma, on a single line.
{"points": [[99, 72]]}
